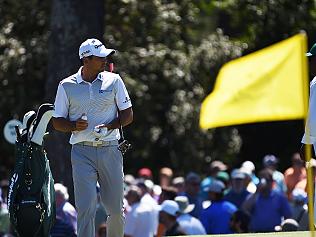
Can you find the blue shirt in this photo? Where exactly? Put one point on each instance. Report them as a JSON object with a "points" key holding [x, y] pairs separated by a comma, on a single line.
{"points": [[268, 212], [236, 198], [216, 217]]}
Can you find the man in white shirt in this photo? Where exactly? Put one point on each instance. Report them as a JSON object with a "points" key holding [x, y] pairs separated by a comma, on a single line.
{"points": [[92, 104], [139, 220]]}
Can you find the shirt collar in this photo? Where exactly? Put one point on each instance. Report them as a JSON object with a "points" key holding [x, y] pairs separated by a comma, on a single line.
{"points": [[80, 79]]}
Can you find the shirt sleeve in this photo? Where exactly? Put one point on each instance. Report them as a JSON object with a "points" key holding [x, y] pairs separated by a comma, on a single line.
{"points": [[122, 98], [310, 134], [61, 103]]}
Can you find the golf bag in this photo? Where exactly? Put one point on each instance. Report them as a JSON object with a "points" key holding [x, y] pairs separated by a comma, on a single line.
{"points": [[31, 196]]}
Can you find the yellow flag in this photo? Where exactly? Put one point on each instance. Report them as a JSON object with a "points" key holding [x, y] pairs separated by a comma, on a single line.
{"points": [[267, 85]]}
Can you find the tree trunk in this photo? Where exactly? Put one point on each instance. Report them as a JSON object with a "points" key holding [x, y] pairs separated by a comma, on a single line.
{"points": [[72, 22]]}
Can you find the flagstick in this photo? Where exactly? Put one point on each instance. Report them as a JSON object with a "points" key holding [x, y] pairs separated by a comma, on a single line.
{"points": [[310, 178], [310, 189]]}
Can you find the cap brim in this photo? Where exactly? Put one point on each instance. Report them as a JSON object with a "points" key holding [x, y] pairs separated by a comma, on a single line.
{"points": [[188, 209], [104, 52], [239, 177]]}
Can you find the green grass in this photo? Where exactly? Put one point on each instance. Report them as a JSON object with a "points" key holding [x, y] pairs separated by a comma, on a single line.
{"points": [[274, 234]]}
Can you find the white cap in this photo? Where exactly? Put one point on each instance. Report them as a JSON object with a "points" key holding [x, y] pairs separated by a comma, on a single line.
{"points": [[94, 47], [248, 165], [237, 174], [169, 206]]}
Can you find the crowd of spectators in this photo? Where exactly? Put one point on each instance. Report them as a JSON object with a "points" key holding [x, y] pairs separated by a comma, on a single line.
{"points": [[227, 200]]}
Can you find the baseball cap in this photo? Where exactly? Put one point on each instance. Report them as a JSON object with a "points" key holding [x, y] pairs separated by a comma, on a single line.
{"points": [[184, 205], [312, 51], [178, 180], [192, 177], [270, 160], [222, 176], [248, 165], [238, 174], [217, 164], [215, 186], [129, 179], [288, 225], [145, 172], [169, 206], [94, 47]]}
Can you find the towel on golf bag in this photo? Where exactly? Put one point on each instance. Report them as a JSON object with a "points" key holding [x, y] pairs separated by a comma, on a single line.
{"points": [[31, 195]]}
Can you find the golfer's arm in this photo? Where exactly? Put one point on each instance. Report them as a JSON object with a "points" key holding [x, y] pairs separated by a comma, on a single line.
{"points": [[63, 125], [125, 118]]}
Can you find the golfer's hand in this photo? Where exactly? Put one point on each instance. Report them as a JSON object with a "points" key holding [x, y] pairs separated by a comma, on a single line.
{"points": [[81, 124]]}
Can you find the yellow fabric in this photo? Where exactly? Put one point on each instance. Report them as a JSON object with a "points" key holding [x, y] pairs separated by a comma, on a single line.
{"points": [[270, 84]]}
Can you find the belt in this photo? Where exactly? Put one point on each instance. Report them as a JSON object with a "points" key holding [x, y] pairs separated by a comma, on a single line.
{"points": [[98, 143]]}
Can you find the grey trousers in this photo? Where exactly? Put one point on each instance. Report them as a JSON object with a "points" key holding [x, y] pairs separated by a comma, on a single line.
{"points": [[105, 165]]}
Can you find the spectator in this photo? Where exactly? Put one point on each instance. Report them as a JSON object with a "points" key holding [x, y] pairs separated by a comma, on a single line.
{"points": [[102, 230], [189, 224], [288, 225], [238, 192], [139, 220], [192, 189], [214, 168], [270, 162], [157, 190], [4, 185], [248, 167], [239, 222], [100, 215], [266, 207], [169, 211], [4, 216], [224, 177], [216, 218], [167, 193], [145, 173], [294, 174], [64, 209], [179, 184], [303, 183], [165, 177], [300, 208], [146, 187], [62, 229], [129, 179]]}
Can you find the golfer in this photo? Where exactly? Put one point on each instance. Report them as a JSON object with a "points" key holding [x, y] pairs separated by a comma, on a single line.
{"points": [[92, 104]]}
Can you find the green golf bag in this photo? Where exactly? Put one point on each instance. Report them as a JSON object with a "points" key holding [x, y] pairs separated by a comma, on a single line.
{"points": [[31, 195]]}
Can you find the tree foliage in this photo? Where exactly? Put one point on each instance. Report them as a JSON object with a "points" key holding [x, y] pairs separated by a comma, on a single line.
{"points": [[169, 53], [169, 70]]}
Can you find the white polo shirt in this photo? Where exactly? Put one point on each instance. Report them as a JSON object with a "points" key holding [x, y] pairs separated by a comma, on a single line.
{"points": [[139, 221], [98, 100], [311, 120]]}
